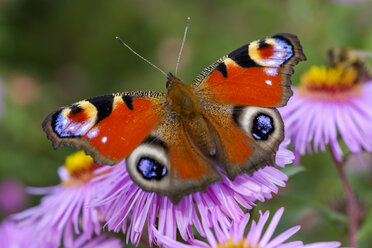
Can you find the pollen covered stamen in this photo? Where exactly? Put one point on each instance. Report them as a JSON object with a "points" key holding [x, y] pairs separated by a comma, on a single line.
{"points": [[231, 244], [80, 167], [333, 82]]}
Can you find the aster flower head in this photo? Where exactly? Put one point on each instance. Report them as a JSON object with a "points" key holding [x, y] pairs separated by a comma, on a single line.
{"points": [[13, 197], [13, 235], [64, 210], [127, 208], [329, 103], [235, 236]]}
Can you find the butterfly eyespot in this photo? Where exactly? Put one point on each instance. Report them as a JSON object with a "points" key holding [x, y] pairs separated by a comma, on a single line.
{"points": [[262, 126], [75, 109], [68, 125], [149, 164], [151, 169]]}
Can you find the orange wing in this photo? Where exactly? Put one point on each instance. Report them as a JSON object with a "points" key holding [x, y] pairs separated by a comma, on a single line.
{"points": [[107, 127], [168, 163], [248, 137], [192, 170], [257, 74]]}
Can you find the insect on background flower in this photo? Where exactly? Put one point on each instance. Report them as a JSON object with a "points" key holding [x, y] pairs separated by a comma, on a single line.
{"points": [[331, 102], [235, 236], [127, 208], [64, 210]]}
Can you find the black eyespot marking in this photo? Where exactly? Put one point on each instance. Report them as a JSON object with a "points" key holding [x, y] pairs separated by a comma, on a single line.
{"points": [[281, 37], [222, 68], [103, 105], [151, 169], [152, 140], [262, 44], [54, 121], [75, 109], [237, 111], [263, 126], [59, 127], [241, 57], [128, 100]]}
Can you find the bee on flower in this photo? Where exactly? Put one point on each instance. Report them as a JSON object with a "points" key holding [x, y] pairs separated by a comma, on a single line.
{"points": [[331, 103]]}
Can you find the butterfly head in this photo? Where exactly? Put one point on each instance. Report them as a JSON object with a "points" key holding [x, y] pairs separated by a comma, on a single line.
{"points": [[172, 81]]}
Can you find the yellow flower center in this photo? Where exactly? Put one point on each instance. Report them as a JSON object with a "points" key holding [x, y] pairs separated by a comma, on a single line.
{"points": [[80, 167], [230, 244], [334, 82]]}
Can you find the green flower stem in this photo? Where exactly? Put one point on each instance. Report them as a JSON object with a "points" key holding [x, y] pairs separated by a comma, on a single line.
{"points": [[352, 206]]}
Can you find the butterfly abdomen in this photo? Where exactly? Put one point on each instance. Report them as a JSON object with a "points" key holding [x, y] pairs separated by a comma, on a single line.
{"points": [[201, 134]]}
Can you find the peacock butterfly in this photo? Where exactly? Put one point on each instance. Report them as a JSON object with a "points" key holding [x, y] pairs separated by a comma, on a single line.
{"points": [[178, 143]]}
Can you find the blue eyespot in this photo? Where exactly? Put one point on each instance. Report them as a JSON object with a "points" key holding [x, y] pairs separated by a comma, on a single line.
{"points": [[151, 169], [64, 127], [262, 127]]}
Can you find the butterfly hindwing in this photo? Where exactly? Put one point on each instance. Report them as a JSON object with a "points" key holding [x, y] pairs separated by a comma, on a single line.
{"points": [[248, 137], [257, 74], [265, 129], [170, 164], [107, 127]]}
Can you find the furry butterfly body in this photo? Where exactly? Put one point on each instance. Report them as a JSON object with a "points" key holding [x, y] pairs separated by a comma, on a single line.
{"points": [[178, 143]]}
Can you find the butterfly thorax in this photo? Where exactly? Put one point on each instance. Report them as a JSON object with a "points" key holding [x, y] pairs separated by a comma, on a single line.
{"points": [[182, 98], [185, 104]]}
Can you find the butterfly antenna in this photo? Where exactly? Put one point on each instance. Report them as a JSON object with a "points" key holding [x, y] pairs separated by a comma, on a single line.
{"points": [[122, 42], [183, 43]]}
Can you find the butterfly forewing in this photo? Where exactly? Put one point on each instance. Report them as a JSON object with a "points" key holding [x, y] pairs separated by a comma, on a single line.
{"points": [[107, 127], [256, 74]]}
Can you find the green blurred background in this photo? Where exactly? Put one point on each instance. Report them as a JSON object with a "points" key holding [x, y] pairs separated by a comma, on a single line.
{"points": [[53, 53]]}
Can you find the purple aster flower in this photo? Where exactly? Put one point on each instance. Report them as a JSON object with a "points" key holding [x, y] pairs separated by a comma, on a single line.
{"points": [[13, 235], [101, 241], [330, 103], [13, 197], [64, 210], [128, 208], [234, 236]]}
